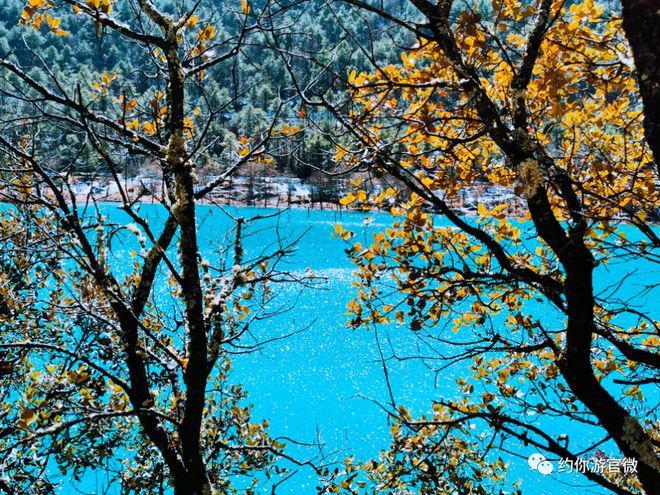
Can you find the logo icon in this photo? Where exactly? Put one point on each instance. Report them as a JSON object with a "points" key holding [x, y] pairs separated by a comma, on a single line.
{"points": [[538, 462]]}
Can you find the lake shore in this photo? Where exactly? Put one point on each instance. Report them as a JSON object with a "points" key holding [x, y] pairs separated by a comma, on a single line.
{"points": [[274, 192]]}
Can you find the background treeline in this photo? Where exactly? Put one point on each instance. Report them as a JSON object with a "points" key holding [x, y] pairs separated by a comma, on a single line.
{"points": [[249, 92]]}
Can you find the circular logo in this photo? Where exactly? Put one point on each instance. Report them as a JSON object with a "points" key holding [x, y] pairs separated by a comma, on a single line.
{"points": [[545, 468], [538, 462], [534, 460]]}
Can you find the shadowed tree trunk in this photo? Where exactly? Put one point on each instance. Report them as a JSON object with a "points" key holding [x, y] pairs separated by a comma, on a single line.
{"points": [[641, 22]]}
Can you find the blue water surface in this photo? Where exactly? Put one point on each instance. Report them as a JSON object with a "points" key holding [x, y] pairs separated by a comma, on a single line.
{"points": [[323, 385]]}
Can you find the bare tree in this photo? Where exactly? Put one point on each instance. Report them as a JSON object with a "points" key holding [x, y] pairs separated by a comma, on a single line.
{"points": [[118, 360]]}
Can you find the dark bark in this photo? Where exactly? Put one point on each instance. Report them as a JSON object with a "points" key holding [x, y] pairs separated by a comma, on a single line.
{"points": [[575, 363], [576, 369], [195, 375], [140, 395], [641, 22]]}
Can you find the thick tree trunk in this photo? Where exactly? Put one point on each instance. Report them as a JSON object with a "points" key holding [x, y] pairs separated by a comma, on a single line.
{"points": [[189, 484], [195, 374], [576, 369], [641, 22], [575, 363], [194, 478]]}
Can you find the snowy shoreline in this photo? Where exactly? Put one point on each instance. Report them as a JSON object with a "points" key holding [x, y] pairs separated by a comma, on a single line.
{"points": [[274, 192]]}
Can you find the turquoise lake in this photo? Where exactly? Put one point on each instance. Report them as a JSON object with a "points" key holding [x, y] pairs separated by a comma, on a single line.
{"points": [[322, 384]]}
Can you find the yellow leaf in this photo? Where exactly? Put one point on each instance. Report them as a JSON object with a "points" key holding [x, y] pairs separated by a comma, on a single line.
{"points": [[53, 22], [428, 182], [481, 210], [192, 22], [150, 128], [356, 182], [350, 199], [208, 33], [133, 124]]}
